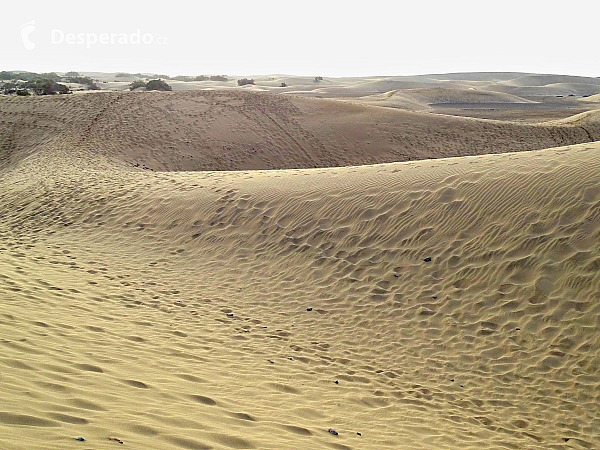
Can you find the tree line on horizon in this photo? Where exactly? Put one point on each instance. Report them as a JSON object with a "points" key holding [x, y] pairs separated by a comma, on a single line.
{"points": [[47, 83], [185, 78]]}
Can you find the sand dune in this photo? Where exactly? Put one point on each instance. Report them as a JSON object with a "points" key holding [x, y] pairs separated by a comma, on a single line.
{"points": [[587, 120], [234, 130], [564, 89], [158, 292], [361, 86], [592, 98], [421, 99], [505, 96], [476, 76], [446, 95], [544, 80], [260, 309]]}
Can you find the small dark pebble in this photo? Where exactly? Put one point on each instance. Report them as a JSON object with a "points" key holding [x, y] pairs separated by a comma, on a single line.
{"points": [[271, 362], [229, 314], [309, 309], [462, 385], [452, 380], [332, 431], [518, 329], [358, 433], [566, 439], [80, 439], [336, 382], [428, 259], [291, 358], [435, 296]]}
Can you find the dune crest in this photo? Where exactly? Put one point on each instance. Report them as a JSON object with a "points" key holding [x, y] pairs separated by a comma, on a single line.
{"points": [[235, 130]]}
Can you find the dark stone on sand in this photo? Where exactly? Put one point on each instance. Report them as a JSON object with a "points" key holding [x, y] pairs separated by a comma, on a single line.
{"points": [[428, 259], [309, 309], [358, 433], [332, 431], [80, 439], [336, 382], [229, 314]]}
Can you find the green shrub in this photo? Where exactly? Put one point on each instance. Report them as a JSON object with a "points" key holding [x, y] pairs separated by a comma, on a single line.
{"points": [[87, 81], [4, 75], [190, 78], [137, 84], [318, 79], [283, 85], [218, 78], [27, 76], [9, 87], [47, 76], [23, 93], [45, 87], [245, 81], [157, 85]]}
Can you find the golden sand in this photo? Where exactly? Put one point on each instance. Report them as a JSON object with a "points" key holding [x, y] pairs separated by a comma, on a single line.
{"points": [[259, 309]]}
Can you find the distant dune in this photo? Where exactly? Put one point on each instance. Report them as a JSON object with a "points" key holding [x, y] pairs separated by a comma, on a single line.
{"points": [[586, 120], [476, 76], [592, 98], [421, 99], [564, 89], [545, 80], [332, 87], [233, 130]]}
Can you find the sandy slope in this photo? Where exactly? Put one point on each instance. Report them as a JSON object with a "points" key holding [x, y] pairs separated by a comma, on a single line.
{"points": [[592, 98], [234, 130], [505, 96], [181, 309], [555, 89], [545, 80], [169, 310], [421, 99]]}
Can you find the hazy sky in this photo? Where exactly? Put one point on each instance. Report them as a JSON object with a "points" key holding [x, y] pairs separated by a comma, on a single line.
{"points": [[329, 38]]}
